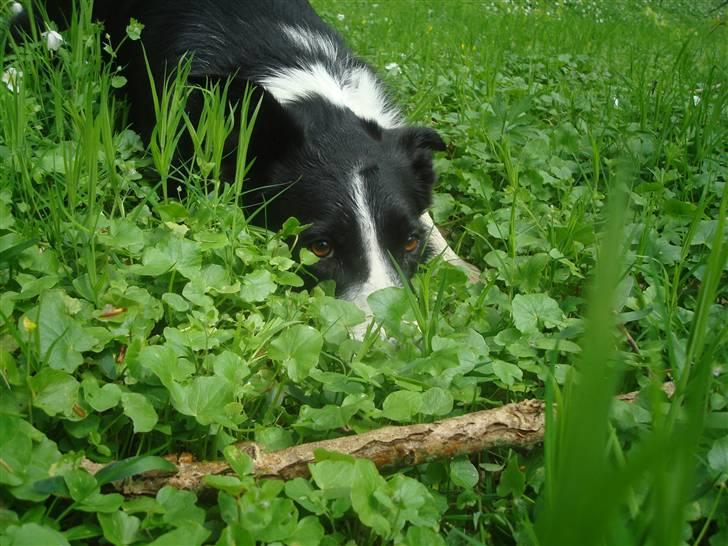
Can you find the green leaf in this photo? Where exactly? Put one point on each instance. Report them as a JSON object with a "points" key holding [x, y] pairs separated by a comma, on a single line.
{"points": [[369, 497], [718, 455], [100, 399], [132, 466], [232, 485], [298, 349], [80, 484], [62, 338], [508, 373], [239, 461], [389, 306], [257, 286], [235, 535], [513, 481], [190, 534], [32, 534], [54, 391], [180, 507], [309, 532], [402, 405], [463, 473], [532, 310], [139, 410], [206, 398], [334, 478], [422, 536], [436, 401], [119, 528]]}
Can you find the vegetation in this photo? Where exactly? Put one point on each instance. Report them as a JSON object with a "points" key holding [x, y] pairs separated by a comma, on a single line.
{"points": [[585, 175]]}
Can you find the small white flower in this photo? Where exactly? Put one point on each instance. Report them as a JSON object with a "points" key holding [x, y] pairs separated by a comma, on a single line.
{"points": [[696, 100], [393, 68], [16, 8], [340, 16], [12, 77], [53, 40], [616, 102]]}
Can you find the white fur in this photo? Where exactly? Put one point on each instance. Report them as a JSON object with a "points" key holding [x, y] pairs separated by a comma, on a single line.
{"points": [[311, 41], [381, 272], [441, 248], [356, 89]]}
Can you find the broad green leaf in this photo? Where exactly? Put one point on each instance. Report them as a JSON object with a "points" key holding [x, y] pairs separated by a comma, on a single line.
{"points": [[190, 534], [239, 461], [139, 410], [534, 310], [389, 305], [180, 507], [513, 481], [297, 348], [436, 401], [32, 534], [308, 532], [334, 478], [205, 399], [232, 485], [119, 528], [402, 405], [422, 536], [61, 335], [257, 286], [54, 391], [463, 473], [718, 455], [369, 495], [508, 373], [80, 484], [100, 399]]}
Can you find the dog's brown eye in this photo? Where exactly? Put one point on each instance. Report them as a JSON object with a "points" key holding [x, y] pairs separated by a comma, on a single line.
{"points": [[411, 243], [321, 248]]}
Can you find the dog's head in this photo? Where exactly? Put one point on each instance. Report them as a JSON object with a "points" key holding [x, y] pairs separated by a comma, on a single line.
{"points": [[361, 187]]}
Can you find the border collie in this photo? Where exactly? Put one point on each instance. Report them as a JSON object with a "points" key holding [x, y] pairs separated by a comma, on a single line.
{"points": [[326, 131]]}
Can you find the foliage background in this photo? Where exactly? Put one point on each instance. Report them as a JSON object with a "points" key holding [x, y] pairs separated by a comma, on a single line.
{"points": [[585, 175]]}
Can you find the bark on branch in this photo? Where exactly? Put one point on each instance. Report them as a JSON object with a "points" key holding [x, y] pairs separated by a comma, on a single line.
{"points": [[515, 425]]}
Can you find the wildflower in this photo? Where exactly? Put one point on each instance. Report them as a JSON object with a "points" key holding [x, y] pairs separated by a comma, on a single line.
{"points": [[53, 40], [696, 100], [393, 68], [340, 16], [16, 8], [11, 78], [616, 102]]}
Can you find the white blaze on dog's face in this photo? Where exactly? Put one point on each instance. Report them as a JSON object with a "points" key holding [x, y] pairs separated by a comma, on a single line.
{"points": [[380, 272]]}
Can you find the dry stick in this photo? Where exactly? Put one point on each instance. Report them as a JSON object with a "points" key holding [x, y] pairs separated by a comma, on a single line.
{"points": [[514, 425]]}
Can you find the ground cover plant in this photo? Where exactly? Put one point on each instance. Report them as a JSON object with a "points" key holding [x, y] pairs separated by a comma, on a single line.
{"points": [[585, 175]]}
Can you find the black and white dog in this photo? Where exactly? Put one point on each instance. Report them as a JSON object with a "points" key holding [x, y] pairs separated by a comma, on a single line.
{"points": [[326, 132]]}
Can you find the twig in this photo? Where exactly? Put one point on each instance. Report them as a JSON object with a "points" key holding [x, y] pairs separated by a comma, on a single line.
{"points": [[514, 425]]}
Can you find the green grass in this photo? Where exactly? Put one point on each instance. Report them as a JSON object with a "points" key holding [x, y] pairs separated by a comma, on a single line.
{"points": [[585, 175]]}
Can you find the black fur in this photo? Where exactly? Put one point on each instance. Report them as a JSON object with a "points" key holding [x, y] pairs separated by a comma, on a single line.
{"points": [[306, 150]]}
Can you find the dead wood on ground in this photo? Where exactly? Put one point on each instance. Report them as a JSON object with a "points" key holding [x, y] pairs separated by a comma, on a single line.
{"points": [[514, 425]]}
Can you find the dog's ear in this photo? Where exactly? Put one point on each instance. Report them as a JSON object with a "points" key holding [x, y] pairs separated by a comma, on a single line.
{"points": [[274, 132], [419, 144], [422, 138]]}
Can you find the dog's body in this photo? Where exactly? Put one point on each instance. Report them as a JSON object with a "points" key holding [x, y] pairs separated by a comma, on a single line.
{"points": [[326, 132]]}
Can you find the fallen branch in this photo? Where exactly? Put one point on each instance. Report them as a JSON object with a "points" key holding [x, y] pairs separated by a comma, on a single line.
{"points": [[514, 425]]}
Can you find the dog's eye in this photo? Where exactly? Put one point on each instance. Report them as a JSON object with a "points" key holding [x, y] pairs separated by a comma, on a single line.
{"points": [[321, 248], [411, 243]]}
